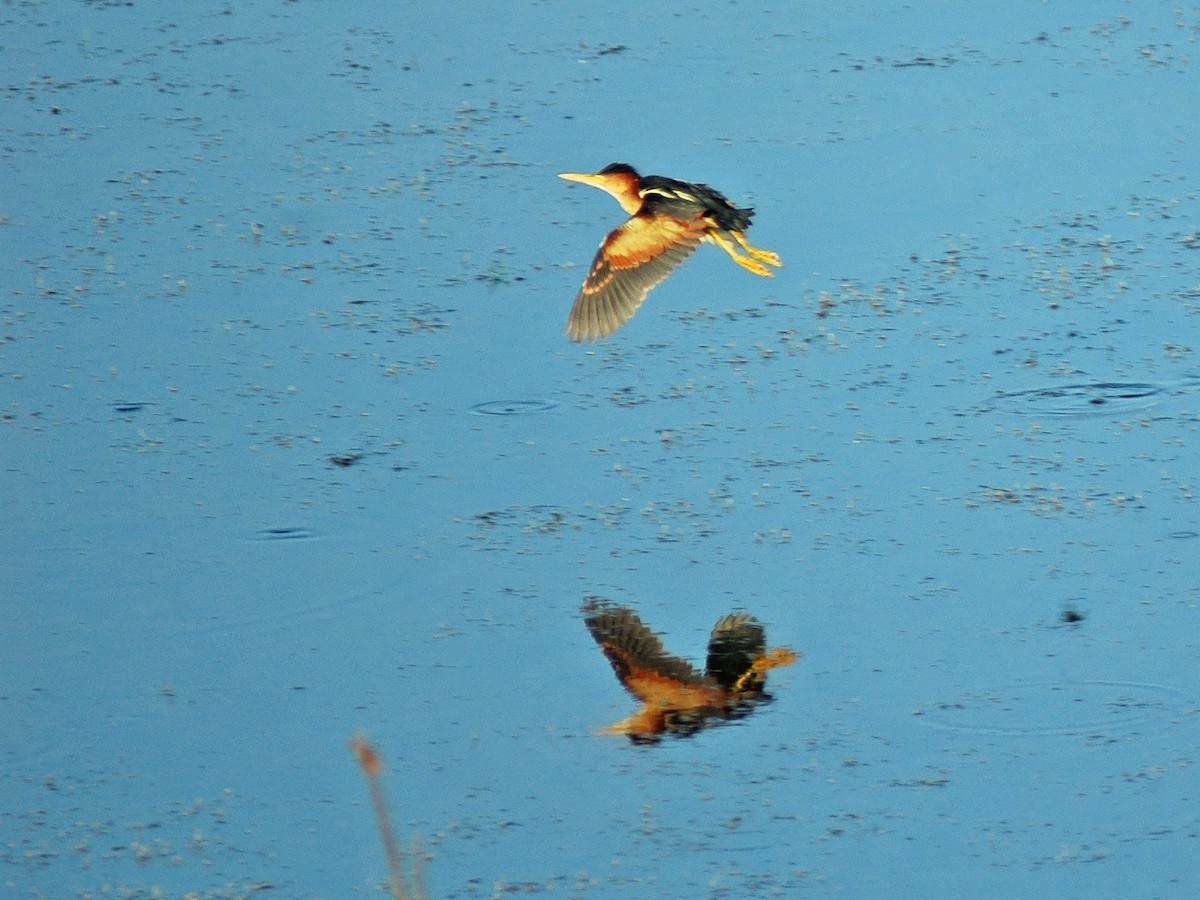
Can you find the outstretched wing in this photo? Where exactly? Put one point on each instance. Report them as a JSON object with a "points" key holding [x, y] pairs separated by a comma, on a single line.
{"points": [[737, 641], [738, 658], [630, 262], [637, 656]]}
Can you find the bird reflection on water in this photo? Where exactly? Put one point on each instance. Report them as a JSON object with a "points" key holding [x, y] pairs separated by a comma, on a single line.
{"points": [[677, 699]]}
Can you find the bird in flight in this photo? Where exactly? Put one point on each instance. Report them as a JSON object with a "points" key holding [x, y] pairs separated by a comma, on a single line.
{"points": [[676, 698], [668, 220]]}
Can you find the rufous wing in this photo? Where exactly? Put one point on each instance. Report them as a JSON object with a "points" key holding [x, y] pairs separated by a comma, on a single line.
{"points": [[637, 656], [632, 260]]}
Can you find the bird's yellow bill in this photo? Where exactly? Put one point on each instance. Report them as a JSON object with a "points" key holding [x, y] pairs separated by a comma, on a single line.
{"points": [[593, 180]]}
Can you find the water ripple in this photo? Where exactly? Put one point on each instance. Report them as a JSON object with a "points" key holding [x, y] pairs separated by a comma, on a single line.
{"points": [[284, 533], [128, 407], [1101, 398], [512, 407], [1091, 399], [1057, 709]]}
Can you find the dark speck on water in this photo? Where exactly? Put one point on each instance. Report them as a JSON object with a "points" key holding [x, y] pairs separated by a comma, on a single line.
{"points": [[1072, 616]]}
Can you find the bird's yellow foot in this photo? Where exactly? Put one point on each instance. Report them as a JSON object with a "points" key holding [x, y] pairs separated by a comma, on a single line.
{"points": [[766, 256], [746, 262], [750, 262]]}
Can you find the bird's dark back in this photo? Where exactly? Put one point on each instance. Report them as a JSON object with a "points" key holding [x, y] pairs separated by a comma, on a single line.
{"points": [[664, 193]]}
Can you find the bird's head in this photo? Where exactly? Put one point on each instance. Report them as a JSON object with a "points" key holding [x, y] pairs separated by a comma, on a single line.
{"points": [[620, 180]]}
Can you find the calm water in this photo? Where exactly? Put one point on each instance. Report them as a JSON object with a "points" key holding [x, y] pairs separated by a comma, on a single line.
{"points": [[294, 448]]}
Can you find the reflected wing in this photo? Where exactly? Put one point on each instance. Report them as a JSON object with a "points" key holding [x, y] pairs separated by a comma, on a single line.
{"points": [[637, 656], [631, 261], [737, 641]]}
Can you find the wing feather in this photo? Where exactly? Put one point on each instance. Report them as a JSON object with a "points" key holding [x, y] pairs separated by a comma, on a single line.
{"points": [[629, 264], [636, 654], [736, 642]]}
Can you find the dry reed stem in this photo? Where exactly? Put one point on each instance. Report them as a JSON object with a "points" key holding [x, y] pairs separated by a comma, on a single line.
{"points": [[372, 768]]}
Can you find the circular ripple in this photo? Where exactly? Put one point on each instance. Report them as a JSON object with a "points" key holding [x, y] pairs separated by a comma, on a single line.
{"points": [[512, 407], [1084, 707], [1102, 398]]}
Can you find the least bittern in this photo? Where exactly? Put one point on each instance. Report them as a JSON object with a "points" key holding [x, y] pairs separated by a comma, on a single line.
{"points": [[676, 698], [669, 219]]}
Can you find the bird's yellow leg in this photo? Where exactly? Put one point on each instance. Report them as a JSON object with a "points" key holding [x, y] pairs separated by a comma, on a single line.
{"points": [[772, 659], [765, 255], [744, 261]]}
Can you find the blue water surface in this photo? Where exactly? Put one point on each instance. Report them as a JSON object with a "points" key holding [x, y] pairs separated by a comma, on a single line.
{"points": [[294, 448]]}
